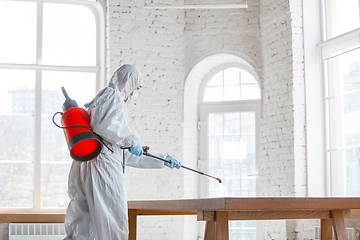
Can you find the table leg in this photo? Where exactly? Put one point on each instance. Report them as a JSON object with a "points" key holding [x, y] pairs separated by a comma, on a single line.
{"points": [[222, 225], [326, 229], [339, 224], [210, 230], [132, 223]]}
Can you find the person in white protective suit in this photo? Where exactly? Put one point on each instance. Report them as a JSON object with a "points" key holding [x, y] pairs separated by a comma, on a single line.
{"points": [[98, 203]]}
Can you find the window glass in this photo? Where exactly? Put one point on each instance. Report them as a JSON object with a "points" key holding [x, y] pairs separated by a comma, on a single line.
{"points": [[232, 155], [18, 32], [54, 185], [216, 80], [231, 93], [69, 35], [214, 94], [79, 85], [16, 186], [341, 17], [231, 76], [231, 84], [343, 101], [17, 95]]}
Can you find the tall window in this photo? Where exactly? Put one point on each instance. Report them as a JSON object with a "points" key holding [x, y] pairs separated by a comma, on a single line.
{"points": [[229, 120], [44, 46], [341, 65]]}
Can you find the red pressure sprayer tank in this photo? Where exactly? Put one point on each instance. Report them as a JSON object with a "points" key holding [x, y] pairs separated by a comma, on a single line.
{"points": [[83, 143]]}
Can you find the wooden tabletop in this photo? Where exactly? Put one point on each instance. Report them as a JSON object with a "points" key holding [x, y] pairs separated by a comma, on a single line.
{"points": [[32, 217], [218, 211], [191, 206], [255, 204]]}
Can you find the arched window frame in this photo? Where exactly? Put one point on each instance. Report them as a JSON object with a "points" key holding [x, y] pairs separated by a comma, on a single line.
{"points": [[216, 70], [97, 8], [221, 106]]}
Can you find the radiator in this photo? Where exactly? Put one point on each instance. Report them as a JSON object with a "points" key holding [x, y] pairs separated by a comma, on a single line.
{"points": [[36, 231]]}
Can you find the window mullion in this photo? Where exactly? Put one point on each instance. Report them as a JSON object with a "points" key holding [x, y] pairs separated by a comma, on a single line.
{"points": [[323, 21], [328, 132], [223, 84], [37, 161], [39, 38], [222, 157], [240, 83]]}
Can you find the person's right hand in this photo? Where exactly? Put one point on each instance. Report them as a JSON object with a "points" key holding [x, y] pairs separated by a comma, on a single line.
{"points": [[173, 162], [136, 150]]}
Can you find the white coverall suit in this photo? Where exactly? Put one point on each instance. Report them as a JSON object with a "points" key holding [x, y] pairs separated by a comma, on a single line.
{"points": [[98, 203]]}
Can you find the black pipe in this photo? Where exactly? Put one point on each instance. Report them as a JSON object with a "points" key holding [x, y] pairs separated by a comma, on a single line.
{"points": [[146, 153]]}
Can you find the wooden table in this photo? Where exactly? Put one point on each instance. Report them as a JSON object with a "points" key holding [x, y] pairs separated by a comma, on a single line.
{"points": [[218, 211]]}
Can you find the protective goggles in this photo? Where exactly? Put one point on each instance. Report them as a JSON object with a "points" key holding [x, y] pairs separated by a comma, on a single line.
{"points": [[132, 93]]}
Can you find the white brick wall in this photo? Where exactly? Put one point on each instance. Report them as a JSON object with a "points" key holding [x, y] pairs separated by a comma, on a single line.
{"points": [[283, 156], [277, 158], [232, 31]]}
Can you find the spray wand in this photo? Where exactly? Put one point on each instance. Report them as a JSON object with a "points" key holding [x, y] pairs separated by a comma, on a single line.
{"points": [[146, 153]]}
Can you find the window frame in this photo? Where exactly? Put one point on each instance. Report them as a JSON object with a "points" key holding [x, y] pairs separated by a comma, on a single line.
{"points": [[216, 70], [331, 48], [205, 110], [339, 45], [318, 49], [99, 69], [224, 106]]}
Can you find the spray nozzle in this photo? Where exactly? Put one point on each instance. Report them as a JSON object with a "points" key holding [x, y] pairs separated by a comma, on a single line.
{"points": [[69, 103], [145, 149]]}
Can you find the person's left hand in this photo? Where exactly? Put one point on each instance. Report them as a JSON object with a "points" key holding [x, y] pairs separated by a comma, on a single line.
{"points": [[136, 150], [174, 163]]}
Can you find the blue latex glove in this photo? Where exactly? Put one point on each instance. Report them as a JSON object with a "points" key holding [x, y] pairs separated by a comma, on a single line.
{"points": [[174, 162], [137, 150]]}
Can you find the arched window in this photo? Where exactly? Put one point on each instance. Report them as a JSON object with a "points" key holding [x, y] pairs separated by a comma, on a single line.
{"points": [[229, 137], [45, 45], [231, 84]]}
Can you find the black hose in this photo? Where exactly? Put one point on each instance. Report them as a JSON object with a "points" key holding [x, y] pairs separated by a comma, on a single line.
{"points": [[53, 119], [101, 139]]}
